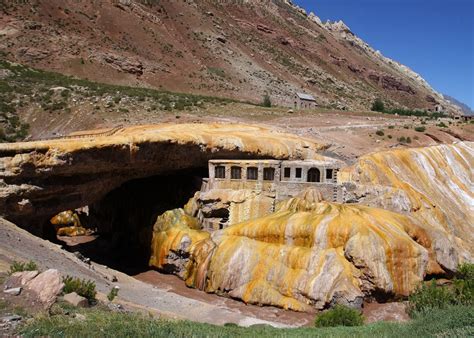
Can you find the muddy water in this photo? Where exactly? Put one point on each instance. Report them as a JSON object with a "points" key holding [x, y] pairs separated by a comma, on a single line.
{"points": [[176, 285]]}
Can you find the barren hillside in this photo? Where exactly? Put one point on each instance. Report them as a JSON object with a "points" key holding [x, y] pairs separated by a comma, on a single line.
{"points": [[238, 51]]}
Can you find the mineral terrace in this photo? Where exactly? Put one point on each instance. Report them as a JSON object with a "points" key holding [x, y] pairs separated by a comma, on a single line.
{"points": [[254, 214]]}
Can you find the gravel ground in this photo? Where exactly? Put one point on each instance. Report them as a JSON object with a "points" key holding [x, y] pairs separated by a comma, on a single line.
{"points": [[17, 244]]}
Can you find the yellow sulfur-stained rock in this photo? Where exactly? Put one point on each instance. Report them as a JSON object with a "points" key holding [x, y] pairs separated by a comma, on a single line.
{"points": [[310, 253], [434, 185], [301, 259]]}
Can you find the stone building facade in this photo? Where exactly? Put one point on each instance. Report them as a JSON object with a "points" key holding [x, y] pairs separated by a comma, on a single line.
{"points": [[240, 190], [283, 178]]}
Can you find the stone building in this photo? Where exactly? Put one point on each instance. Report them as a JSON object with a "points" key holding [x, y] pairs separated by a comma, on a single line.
{"points": [[304, 101], [239, 190]]}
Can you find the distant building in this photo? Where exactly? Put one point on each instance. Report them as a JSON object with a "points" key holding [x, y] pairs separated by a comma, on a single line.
{"points": [[305, 101]]}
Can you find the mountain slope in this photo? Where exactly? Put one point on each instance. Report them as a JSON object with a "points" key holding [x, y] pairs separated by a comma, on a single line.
{"points": [[464, 107], [239, 51]]}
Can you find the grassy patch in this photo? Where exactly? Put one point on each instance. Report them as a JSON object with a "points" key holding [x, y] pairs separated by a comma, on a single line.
{"points": [[84, 288], [100, 322], [22, 266]]}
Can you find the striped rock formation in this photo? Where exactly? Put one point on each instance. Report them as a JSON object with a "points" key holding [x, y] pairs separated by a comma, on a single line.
{"points": [[310, 254]]}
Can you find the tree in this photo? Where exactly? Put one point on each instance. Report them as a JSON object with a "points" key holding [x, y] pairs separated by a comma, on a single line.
{"points": [[266, 101], [378, 105]]}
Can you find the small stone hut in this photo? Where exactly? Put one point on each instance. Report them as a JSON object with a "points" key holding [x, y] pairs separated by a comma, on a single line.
{"points": [[304, 101]]}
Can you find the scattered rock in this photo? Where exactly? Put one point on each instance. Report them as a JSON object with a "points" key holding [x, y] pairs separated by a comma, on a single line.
{"points": [[25, 276], [5, 73], [13, 291], [291, 111], [80, 317], [124, 64], [221, 39], [264, 29], [33, 54], [10, 318], [46, 286], [394, 312], [76, 300]]}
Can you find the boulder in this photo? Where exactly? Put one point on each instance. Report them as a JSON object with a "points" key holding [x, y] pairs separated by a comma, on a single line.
{"points": [[13, 291], [19, 279], [46, 287], [75, 300], [25, 276]]}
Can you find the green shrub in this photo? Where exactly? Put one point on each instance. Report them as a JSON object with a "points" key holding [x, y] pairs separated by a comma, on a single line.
{"points": [[429, 296], [389, 136], [408, 139], [113, 293], [22, 266], [402, 139], [84, 288], [442, 125], [391, 127], [379, 133], [378, 105], [266, 101], [420, 129], [340, 315]]}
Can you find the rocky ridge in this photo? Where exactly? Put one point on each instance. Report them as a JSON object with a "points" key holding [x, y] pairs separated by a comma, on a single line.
{"points": [[208, 47]]}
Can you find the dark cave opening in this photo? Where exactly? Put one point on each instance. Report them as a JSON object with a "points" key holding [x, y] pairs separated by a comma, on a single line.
{"points": [[124, 219]]}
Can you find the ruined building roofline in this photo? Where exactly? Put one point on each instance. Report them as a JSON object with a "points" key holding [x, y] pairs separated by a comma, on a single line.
{"points": [[325, 162]]}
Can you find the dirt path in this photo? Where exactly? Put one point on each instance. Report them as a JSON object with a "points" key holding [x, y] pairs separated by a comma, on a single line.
{"points": [[17, 244]]}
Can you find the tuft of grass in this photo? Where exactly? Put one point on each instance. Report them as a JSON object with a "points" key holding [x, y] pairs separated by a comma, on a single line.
{"points": [[340, 315], [113, 293], [429, 296], [420, 129], [380, 133], [84, 288], [17, 266]]}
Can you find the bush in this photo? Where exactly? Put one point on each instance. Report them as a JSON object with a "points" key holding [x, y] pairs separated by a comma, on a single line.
{"points": [[408, 139], [340, 315], [379, 133], [22, 266], [113, 293], [81, 287], [420, 129], [429, 296], [442, 125], [391, 127], [266, 101], [402, 139], [378, 105]]}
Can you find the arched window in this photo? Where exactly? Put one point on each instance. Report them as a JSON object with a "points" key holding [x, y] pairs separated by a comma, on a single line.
{"points": [[252, 173], [236, 173], [269, 174], [314, 175], [220, 171]]}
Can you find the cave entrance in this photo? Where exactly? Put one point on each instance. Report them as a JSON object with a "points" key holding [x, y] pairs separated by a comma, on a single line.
{"points": [[124, 219]]}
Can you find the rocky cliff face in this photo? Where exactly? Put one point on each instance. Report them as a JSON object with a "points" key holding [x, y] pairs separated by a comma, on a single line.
{"points": [[210, 47], [39, 179], [309, 254]]}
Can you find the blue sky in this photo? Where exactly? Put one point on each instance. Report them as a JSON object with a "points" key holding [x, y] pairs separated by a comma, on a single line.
{"points": [[435, 38]]}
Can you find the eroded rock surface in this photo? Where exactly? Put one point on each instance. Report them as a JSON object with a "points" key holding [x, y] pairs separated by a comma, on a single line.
{"points": [[39, 179], [311, 253]]}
